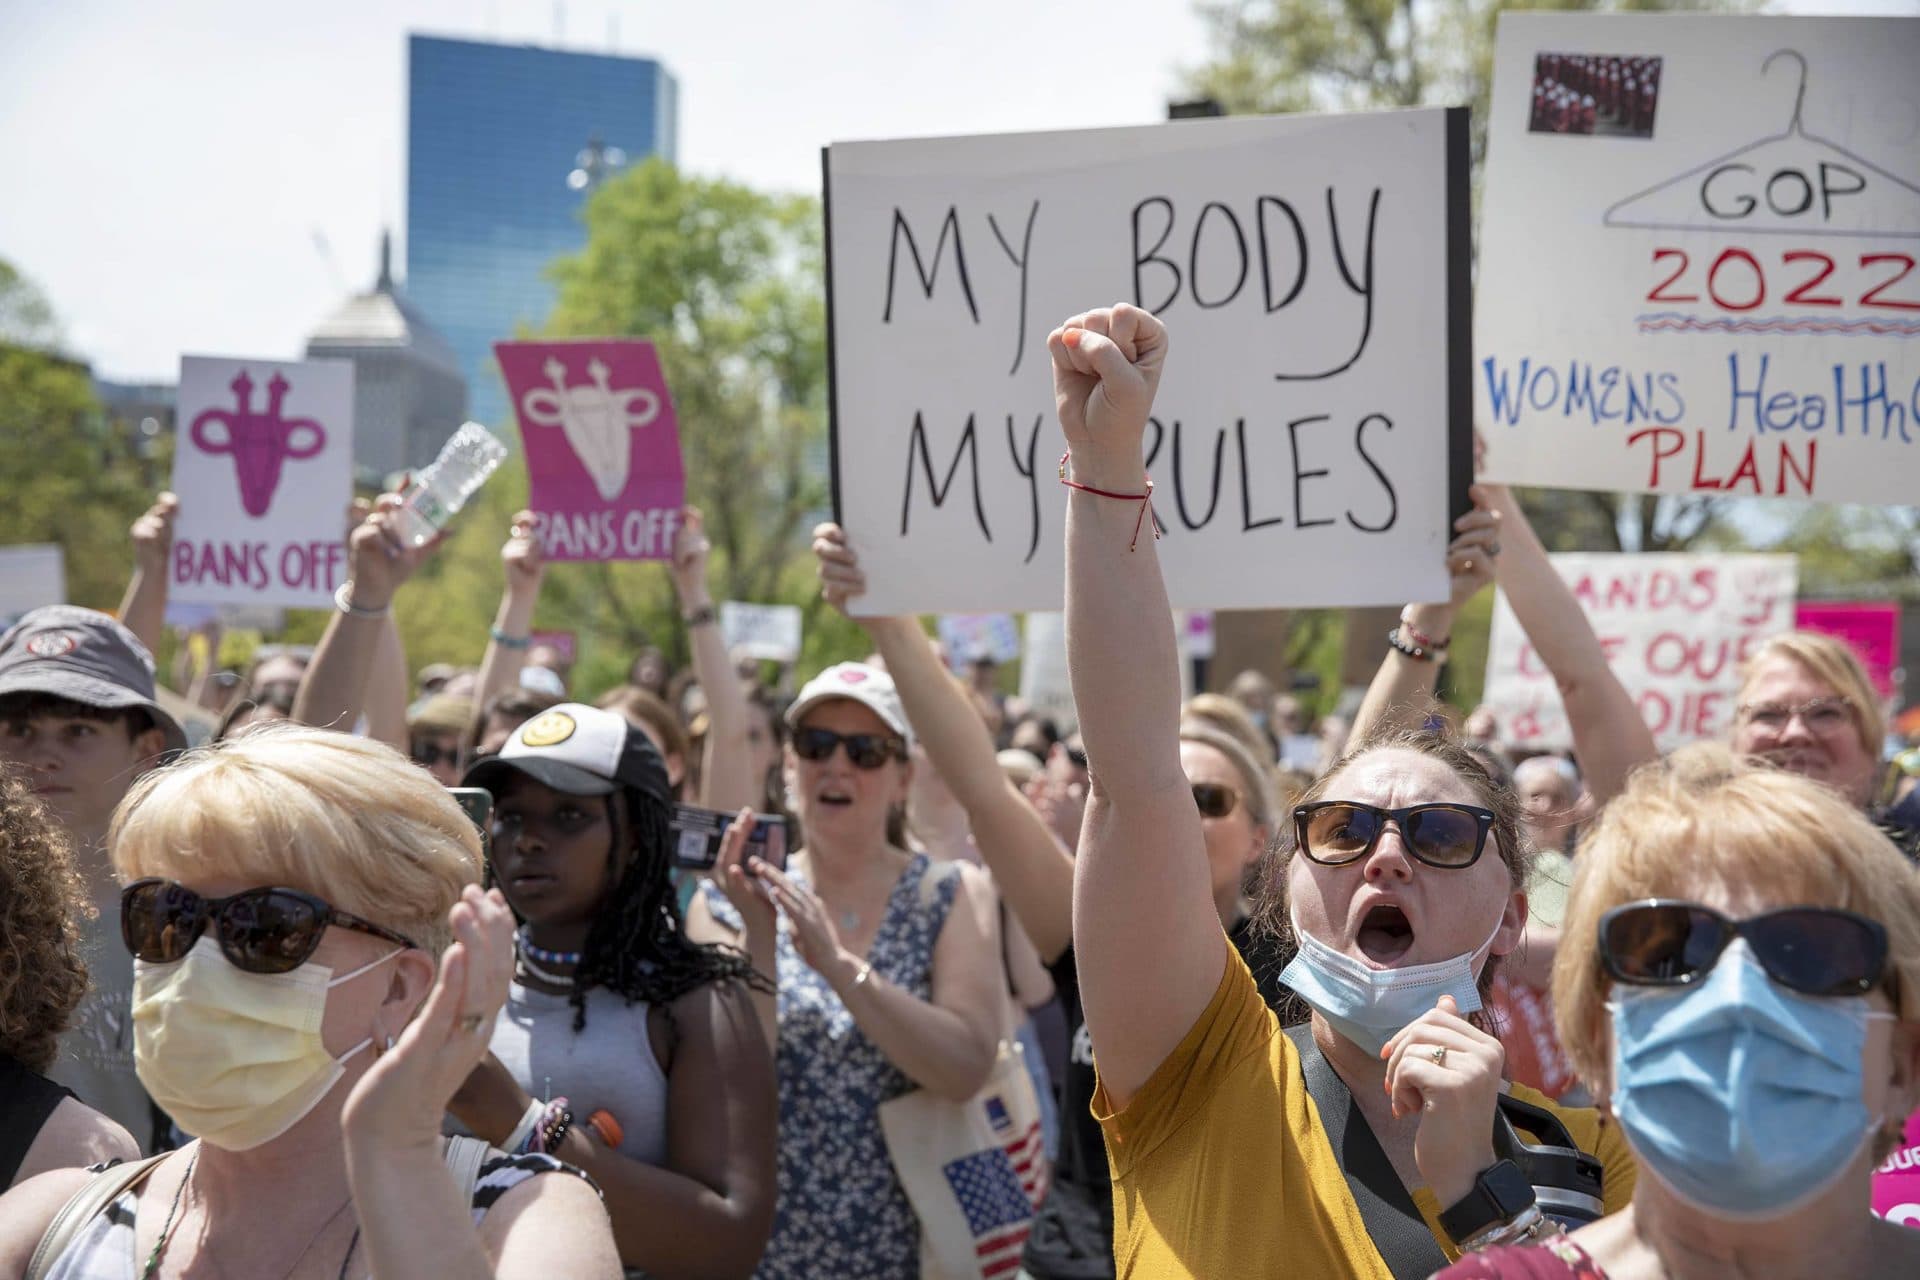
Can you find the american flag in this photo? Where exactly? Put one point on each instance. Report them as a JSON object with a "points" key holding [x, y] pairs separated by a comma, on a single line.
{"points": [[999, 1189]]}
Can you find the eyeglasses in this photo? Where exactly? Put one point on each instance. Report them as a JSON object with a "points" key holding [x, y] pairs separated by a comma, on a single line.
{"points": [[261, 930], [429, 754], [865, 750], [1336, 832], [1817, 950], [1214, 800], [1821, 715]]}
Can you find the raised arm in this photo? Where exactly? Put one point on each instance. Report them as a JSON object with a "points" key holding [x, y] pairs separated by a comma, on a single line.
{"points": [[1403, 686], [143, 610], [334, 690], [726, 762], [1146, 932], [1033, 872], [524, 560], [1609, 734]]}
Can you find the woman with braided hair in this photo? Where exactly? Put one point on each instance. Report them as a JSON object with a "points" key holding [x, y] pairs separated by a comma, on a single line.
{"points": [[624, 1048]]}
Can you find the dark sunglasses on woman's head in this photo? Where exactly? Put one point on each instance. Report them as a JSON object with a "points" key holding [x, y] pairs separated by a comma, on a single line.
{"points": [[1214, 799], [1336, 832], [267, 930], [1821, 951], [866, 750]]}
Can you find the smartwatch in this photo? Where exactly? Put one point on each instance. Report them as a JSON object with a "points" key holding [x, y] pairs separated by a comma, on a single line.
{"points": [[1500, 1195]]}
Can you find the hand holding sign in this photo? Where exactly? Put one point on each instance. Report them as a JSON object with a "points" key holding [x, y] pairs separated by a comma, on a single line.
{"points": [[841, 578], [524, 556], [153, 535], [1470, 556], [1106, 368]]}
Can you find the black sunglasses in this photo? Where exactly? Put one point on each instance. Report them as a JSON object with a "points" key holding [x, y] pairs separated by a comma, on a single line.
{"points": [[1820, 951], [1214, 800], [1336, 832], [429, 754], [268, 930], [866, 750]]}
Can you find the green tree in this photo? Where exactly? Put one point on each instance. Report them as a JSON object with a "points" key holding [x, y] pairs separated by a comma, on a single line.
{"points": [[71, 475], [725, 281]]}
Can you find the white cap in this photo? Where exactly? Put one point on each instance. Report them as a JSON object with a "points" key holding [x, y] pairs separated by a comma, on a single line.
{"points": [[869, 686]]}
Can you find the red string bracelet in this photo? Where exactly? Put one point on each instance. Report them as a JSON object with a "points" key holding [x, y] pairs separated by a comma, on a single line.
{"points": [[1144, 499]]}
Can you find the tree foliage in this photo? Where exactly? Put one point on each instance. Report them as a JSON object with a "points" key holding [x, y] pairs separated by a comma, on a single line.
{"points": [[70, 474]]}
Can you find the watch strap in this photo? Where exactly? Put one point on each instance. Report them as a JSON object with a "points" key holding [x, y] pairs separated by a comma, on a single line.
{"points": [[1496, 1198]]}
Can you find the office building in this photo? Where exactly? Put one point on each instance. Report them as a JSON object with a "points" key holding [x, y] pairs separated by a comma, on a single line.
{"points": [[494, 135]]}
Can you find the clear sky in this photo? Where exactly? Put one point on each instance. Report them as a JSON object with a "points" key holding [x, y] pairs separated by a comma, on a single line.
{"points": [[168, 171]]}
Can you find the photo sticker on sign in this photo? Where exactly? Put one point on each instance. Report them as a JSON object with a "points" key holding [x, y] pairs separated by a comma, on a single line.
{"points": [[602, 445]]}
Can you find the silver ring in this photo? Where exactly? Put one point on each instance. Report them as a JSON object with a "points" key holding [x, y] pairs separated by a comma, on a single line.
{"points": [[471, 1022], [1493, 548], [1439, 1055]]}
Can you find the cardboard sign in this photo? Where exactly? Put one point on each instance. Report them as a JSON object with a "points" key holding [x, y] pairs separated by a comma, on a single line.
{"points": [[1044, 685], [603, 446], [1698, 256], [767, 631], [1676, 630], [1309, 441], [969, 637], [1196, 634], [1872, 629], [31, 574], [264, 469]]}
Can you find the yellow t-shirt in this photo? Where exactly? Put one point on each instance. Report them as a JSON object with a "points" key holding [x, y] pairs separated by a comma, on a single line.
{"points": [[1222, 1169]]}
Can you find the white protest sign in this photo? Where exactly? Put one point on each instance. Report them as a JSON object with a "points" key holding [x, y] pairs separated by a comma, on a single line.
{"points": [[1309, 439], [31, 574], [1697, 256], [761, 630], [968, 637], [264, 468], [1043, 670], [1676, 630]]}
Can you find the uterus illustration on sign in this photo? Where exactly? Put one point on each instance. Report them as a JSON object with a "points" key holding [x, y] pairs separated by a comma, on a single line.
{"points": [[597, 418], [261, 443]]}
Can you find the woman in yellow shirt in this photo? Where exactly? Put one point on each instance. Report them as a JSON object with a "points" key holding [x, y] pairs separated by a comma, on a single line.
{"points": [[1221, 1160]]}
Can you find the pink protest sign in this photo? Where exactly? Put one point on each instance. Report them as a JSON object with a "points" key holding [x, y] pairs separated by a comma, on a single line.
{"points": [[1896, 1183], [1872, 628], [264, 469], [603, 446]]}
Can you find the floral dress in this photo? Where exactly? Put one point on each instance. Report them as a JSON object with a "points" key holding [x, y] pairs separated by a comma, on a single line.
{"points": [[842, 1212]]}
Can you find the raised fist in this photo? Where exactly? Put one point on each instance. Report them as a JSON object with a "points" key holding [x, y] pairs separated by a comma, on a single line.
{"points": [[1106, 368]]}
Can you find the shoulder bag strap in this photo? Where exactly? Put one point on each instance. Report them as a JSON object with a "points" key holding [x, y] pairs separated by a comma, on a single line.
{"points": [[1391, 1217], [100, 1191]]}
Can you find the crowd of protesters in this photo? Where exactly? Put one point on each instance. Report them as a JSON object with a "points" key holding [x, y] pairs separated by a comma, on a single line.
{"points": [[324, 967]]}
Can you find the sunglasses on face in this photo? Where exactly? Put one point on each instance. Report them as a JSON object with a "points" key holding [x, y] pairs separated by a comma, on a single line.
{"points": [[1214, 800], [865, 750], [1819, 951], [1336, 832], [261, 930], [1822, 716], [429, 754]]}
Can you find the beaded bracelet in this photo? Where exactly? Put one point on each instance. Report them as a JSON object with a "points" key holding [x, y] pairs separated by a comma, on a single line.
{"points": [[1421, 638], [1419, 653], [553, 1126]]}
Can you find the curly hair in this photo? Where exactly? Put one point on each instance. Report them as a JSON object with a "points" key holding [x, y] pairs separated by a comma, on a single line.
{"points": [[636, 946], [42, 901]]}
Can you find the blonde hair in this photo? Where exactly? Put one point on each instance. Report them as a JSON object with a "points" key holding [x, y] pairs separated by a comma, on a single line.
{"points": [[345, 818], [1835, 664], [1230, 718], [1705, 816], [1257, 778]]}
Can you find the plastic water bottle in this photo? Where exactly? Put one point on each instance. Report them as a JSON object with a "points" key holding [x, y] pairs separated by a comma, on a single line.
{"points": [[438, 493]]}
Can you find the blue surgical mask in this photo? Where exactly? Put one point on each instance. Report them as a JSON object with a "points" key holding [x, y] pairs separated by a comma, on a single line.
{"points": [[1370, 1006], [1741, 1096]]}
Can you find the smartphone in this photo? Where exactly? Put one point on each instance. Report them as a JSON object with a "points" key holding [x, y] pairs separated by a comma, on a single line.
{"points": [[697, 833], [477, 804]]}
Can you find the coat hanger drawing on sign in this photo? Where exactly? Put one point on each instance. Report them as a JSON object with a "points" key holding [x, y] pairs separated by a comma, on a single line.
{"points": [[1616, 215]]}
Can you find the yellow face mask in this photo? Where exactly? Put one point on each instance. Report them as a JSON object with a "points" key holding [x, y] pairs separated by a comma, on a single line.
{"points": [[235, 1058]]}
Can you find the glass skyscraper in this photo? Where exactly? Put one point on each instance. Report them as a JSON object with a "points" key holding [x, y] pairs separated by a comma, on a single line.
{"points": [[493, 131]]}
